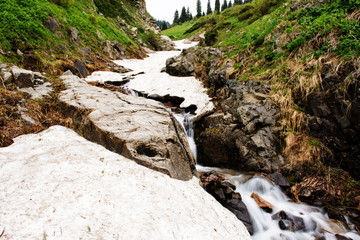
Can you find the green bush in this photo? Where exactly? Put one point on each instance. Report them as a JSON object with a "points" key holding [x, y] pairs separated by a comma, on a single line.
{"points": [[211, 37]]}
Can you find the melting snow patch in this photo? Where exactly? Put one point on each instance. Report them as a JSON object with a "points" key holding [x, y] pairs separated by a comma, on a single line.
{"points": [[57, 185]]}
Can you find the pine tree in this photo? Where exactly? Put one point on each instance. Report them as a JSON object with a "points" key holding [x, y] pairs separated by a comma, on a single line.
{"points": [[183, 15], [188, 15], [176, 17], [224, 6], [230, 4], [164, 26], [198, 8], [217, 6], [208, 11]]}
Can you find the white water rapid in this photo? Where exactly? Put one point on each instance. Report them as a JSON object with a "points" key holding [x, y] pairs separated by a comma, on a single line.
{"points": [[316, 225]]}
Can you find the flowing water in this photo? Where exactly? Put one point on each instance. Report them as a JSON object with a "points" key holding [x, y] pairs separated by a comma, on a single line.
{"points": [[314, 223], [187, 124]]}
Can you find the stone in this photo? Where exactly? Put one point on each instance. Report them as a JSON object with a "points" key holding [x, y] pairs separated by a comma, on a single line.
{"points": [[290, 222], [85, 50], [224, 193], [7, 76], [74, 35], [319, 105], [52, 24], [279, 180], [137, 128], [81, 67], [19, 53], [183, 65], [22, 78], [295, 6], [263, 204]]}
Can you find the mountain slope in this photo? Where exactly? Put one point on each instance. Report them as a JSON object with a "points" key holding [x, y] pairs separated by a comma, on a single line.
{"points": [[52, 30]]}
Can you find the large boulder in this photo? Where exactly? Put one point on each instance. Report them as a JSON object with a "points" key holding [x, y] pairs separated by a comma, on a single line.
{"points": [[58, 185], [137, 128], [242, 135], [182, 65]]}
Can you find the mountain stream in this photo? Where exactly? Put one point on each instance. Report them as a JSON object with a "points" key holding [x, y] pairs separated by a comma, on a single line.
{"points": [[311, 222]]}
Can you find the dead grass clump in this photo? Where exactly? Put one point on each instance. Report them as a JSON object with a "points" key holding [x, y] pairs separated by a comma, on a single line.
{"points": [[303, 151]]}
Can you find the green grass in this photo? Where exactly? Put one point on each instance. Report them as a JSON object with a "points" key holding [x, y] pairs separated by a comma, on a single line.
{"points": [[178, 32], [22, 25]]}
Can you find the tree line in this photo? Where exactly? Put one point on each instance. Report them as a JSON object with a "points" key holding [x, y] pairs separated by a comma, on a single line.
{"points": [[185, 14]]}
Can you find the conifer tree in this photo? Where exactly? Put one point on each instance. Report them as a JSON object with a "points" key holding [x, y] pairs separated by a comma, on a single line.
{"points": [[230, 4], [183, 15], [217, 6], [176, 17], [224, 6], [208, 11], [188, 15], [198, 8]]}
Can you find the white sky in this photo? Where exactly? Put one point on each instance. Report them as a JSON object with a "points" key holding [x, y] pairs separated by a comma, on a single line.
{"points": [[165, 9]]}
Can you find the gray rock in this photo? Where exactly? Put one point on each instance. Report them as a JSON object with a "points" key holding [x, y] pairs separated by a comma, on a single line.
{"points": [[7, 76], [81, 67], [137, 128], [74, 35], [245, 140], [183, 65], [279, 179], [22, 77], [52, 24]]}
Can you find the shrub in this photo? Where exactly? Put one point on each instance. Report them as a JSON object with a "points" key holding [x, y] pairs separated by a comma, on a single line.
{"points": [[211, 37]]}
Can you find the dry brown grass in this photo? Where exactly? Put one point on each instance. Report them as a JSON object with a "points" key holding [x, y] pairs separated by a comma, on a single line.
{"points": [[302, 150], [45, 112]]}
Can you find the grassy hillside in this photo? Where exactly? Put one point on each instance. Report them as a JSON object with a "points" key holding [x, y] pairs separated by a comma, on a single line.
{"points": [[22, 27], [83, 29]]}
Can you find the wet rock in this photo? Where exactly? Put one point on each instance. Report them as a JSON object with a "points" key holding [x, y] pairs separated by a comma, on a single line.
{"points": [[52, 24], [224, 193], [137, 128], [290, 222], [81, 67], [279, 179], [341, 237], [241, 212], [263, 204]]}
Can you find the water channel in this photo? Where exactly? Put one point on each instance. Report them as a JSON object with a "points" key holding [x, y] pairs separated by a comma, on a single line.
{"points": [[314, 222]]}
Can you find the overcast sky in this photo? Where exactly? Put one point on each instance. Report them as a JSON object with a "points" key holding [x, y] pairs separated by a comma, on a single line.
{"points": [[165, 9]]}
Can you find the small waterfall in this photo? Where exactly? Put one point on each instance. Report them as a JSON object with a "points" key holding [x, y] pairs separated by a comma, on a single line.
{"points": [[185, 120], [314, 223], [128, 90]]}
